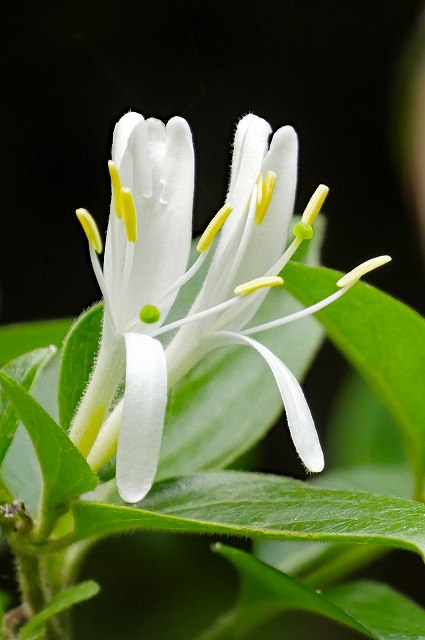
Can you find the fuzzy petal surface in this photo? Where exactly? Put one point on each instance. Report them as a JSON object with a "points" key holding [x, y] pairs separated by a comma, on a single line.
{"points": [[300, 421], [143, 412]]}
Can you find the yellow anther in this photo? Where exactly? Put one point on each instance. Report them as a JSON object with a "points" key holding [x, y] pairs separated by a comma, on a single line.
{"points": [[267, 188], [352, 276], [90, 229], [259, 283], [316, 201], [129, 214], [214, 227], [116, 187]]}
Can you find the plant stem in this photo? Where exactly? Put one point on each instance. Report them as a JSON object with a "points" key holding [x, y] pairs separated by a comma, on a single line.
{"points": [[30, 581], [35, 590]]}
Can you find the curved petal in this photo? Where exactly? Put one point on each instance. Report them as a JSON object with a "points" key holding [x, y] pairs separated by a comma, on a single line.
{"points": [[300, 421], [142, 423]]}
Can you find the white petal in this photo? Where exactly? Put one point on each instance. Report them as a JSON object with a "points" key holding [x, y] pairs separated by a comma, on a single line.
{"points": [[144, 403], [164, 220], [120, 144], [298, 414], [142, 172], [116, 242], [268, 240], [249, 149]]}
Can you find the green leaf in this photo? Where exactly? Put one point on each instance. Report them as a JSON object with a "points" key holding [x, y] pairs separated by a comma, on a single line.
{"points": [[60, 602], [65, 472], [383, 339], [310, 560], [361, 430], [261, 506], [16, 339], [382, 610], [24, 370], [4, 603], [79, 351], [370, 608]]}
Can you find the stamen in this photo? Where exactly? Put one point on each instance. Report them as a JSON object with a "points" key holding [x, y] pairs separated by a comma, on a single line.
{"points": [[315, 203], [90, 229], [218, 308], [185, 278], [351, 277], [303, 231], [263, 202], [285, 257], [129, 215], [214, 227], [149, 314], [259, 283], [297, 315], [116, 187]]}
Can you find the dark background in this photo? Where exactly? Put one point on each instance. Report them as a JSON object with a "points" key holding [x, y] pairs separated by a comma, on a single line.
{"points": [[70, 70]]}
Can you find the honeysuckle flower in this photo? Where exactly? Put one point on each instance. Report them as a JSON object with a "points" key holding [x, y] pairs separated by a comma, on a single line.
{"points": [[253, 225], [147, 247]]}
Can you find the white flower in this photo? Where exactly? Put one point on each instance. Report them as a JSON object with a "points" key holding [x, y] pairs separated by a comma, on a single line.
{"points": [[250, 254], [147, 247]]}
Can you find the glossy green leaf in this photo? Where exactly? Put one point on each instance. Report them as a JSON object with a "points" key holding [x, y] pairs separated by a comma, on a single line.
{"points": [[372, 609], [78, 354], [65, 472], [16, 339], [333, 561], [383, 339], [261, 506], [59, 603], [24, 370]]}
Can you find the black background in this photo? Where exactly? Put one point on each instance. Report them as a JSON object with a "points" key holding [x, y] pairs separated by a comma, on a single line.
{"points": [[70, 70]]}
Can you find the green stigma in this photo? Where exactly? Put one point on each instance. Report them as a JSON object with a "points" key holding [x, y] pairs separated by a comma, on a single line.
{"points": [[303, 231], [149, 314]]}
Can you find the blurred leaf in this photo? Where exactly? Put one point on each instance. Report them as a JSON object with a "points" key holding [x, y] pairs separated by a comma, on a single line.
{"points": [[24, 370], [16, 339], [361, 430], [65, 472], [370, 608], [383, 339], [4, 603], [261, 506], [78, 354], [59, 603], [382, 610]]}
